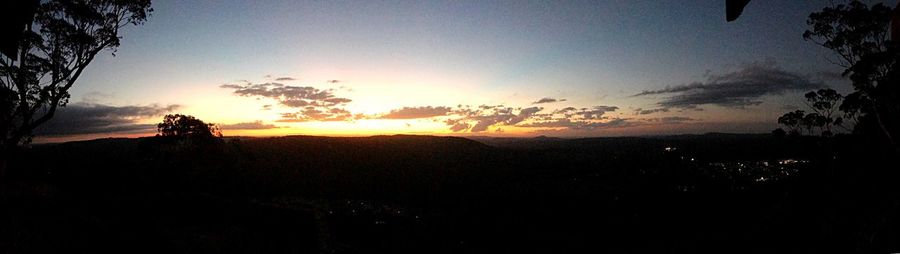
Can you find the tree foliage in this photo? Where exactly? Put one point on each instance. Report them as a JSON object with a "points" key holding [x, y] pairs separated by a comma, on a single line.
{"points": [[823, 118], [64, 38], [825, 104], [185, 126], [852, 30], [793, 121], [858, 35]]}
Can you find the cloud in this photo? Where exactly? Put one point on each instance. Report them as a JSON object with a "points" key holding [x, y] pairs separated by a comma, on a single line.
{"points": [[89, 118], [482, 123], [231, 86], [255, 125], [588, 113], [457, 126], [332, 81], [547, 100], [284, 79], [738, 89], [671, 120], [640, 111], [416, 112], [310, 114], [484, 117], [291, 96], [596, 113], [565, 110], [314, 104], [524, 114]]}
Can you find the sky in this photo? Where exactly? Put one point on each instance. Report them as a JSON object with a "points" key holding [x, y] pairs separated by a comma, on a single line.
{"points": [[482, 68]]}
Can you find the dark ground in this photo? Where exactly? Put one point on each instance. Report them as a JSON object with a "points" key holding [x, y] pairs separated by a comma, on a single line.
{"points": [[420, 194]]}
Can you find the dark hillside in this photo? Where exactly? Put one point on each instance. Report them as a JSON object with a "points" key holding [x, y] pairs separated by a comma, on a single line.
{"points": [[423, 194]]}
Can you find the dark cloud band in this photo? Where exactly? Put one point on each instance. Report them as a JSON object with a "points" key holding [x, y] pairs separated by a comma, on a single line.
{"points": [[84, 118], [739, 89]]}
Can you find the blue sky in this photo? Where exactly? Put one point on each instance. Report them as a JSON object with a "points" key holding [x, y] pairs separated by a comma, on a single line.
{"points": [[393, 54]]}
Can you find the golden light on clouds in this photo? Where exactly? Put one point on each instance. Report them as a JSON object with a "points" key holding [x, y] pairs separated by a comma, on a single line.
{"points": [[421, 103]]}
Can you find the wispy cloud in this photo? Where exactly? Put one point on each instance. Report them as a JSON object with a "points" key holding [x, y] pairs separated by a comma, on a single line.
{"points": [[291, 96], [640, 111], [89, 118], [320, 105], [479, 119], [416, 112], [309, 114], [485, 117], [547, 100], [671, 120], [738, 89], [314, 104]]}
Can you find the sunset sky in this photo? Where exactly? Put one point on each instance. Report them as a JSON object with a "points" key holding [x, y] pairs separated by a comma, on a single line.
{"points": [[487, 68]]}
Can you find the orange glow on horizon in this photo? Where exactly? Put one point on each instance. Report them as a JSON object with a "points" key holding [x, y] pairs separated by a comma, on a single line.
{"points": [[375, 127]]}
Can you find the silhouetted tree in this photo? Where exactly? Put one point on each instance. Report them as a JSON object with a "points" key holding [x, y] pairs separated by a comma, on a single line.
{"points": [[852, 31], [14, 17], [824, 102], [68, 35], [185, 126], [811, 121], [793, 121], [851, 107], [858, 34]]}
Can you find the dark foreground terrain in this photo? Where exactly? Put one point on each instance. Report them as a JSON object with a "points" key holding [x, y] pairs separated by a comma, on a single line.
{"points": [[419, 194]]}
